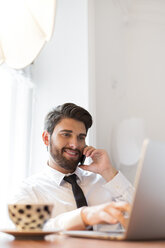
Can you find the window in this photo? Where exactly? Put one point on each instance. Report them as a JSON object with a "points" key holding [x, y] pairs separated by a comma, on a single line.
{"points": [[16, 104]]}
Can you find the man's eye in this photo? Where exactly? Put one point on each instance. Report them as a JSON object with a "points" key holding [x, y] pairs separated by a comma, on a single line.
{"points": [[66, 134], [82, 138]]}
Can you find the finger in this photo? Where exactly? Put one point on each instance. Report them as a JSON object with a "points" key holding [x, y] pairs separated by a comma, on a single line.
{"points": [[95, 153], [96, 215], [123, 206], [107, 218], [85, 167], [88, 150], [118, 215]]}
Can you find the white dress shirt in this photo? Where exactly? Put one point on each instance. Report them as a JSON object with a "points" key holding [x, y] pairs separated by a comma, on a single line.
{"points": [[48, 186]]}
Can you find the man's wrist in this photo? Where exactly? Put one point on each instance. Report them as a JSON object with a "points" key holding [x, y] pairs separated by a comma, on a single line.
{"points": [[83, 216], [84, 213], [109, 174]]}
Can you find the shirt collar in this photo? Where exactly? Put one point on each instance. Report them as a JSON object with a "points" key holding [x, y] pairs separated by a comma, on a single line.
{"points": [[79, 172], [58, 176]]}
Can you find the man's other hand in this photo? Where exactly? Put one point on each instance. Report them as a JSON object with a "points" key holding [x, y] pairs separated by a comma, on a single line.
{"points": [[108, 213]]}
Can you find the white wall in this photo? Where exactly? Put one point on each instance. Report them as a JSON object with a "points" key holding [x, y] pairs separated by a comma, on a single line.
{"points": [[130, 75], [61, 71]]}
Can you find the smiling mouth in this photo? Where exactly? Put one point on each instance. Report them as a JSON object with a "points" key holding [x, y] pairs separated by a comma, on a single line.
{"points": [[71, 153]]}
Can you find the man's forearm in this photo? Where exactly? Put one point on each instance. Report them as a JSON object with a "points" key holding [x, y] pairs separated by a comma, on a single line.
{"points": [[71, 220]]}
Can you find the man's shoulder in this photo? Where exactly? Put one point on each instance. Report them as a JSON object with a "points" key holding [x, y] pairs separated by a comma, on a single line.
{"points": [[34, 178]]}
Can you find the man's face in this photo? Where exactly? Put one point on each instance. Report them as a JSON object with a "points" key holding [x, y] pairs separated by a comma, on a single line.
{"points": [[66, 144]]}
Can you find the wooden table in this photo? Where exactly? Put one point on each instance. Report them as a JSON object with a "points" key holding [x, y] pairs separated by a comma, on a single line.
{"points": [[57, 241]]}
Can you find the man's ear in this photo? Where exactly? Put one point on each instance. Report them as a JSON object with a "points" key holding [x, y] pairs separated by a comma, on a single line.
{"points": [[45, 137]]}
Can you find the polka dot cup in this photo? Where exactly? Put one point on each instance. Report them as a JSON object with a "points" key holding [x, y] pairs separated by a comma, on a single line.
{"points": [[28, 217]]}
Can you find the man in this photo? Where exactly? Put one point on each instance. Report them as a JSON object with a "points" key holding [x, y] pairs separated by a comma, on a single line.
{"points": [[64, 134]]}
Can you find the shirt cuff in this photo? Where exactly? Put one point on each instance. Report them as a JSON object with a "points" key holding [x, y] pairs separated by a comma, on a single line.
{"points": [[118, 185]]}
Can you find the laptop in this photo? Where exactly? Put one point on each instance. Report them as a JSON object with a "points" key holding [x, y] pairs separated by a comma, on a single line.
{"points": [[147, 217]]}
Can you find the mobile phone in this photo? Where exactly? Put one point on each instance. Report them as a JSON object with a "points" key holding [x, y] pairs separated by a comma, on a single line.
{"points": [[82, 159]]}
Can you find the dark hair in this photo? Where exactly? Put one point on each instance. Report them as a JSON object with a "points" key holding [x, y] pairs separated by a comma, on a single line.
{"points": [[67, 110]]}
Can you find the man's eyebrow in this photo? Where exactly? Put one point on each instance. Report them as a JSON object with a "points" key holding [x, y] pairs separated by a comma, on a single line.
{"points": [[66, 130], [70, 131]]}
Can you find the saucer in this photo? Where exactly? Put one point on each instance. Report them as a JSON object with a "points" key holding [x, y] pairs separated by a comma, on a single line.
{"points": [[32, 235]]}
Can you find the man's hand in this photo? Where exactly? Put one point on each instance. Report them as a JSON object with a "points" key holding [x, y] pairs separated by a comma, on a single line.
{"points": [[108, 213], [101, 163]]}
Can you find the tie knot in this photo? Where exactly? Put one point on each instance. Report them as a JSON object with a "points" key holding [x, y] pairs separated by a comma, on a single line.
{"points": [[71, 179]]}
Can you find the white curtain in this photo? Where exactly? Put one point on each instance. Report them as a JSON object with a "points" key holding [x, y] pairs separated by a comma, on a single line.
{"points": [[16, 102]]}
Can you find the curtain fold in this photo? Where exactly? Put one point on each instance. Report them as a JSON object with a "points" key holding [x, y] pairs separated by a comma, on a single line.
{"points": [[16, 109]]}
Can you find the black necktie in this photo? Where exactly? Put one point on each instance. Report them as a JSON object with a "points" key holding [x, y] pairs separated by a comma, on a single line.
{"points": [[77, 191]]}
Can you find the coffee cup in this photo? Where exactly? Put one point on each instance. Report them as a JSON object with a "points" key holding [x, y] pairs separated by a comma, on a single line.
{"points": [[30, 217]]}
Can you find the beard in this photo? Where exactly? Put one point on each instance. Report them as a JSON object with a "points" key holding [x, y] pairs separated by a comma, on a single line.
{"points": [[68, 164]]}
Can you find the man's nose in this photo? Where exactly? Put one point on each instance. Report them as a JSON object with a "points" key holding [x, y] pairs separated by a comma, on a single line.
{"points": [[73, 143]]}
